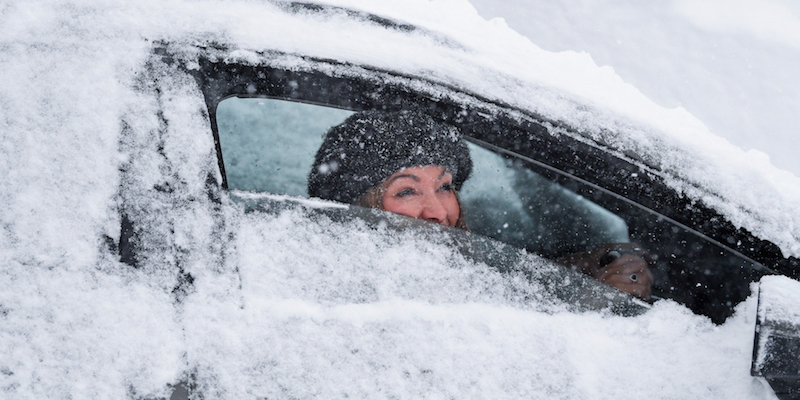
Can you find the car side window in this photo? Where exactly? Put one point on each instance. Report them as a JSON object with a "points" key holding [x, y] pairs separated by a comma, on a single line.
{"points": [[269, 145], [507, 201]]}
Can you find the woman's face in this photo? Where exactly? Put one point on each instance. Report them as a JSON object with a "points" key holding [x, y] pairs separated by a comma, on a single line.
{"points": [[422, 192]]}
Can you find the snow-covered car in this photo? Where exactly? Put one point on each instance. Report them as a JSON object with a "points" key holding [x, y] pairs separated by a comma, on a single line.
{"points": [[160, 240]]}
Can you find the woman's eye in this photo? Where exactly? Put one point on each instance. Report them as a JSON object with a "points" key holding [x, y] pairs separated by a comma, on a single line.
{"points": [[404, 192], [447, 187]]}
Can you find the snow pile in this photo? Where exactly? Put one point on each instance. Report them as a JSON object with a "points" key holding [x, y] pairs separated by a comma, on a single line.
{"points": [[283, 306]]}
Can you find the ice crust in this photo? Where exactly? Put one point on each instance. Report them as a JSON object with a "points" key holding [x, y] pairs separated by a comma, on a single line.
{"points": [[286, 307]]}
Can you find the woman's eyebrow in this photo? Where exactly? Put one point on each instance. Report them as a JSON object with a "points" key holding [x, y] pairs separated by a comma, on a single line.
{"points": [[412, 176]]}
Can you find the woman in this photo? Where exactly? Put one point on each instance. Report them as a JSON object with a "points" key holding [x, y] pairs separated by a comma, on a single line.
{"points": [[404, 162], [407, 163]]}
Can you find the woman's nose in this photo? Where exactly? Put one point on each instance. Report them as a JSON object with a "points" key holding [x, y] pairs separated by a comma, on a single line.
{"points": [[433, 210]]}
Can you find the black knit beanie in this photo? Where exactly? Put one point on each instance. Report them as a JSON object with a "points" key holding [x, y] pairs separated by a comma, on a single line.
{"points": [[370, 146]]}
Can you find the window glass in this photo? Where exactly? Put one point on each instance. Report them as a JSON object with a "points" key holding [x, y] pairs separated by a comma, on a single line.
{"points": [[504, 200], [269, 145]]}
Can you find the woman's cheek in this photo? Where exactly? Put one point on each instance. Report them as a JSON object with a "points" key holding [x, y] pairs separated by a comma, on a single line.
{"points": [[402, 206]]}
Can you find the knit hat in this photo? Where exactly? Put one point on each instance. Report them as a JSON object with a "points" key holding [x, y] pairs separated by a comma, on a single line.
{"points": [[370, 146]]}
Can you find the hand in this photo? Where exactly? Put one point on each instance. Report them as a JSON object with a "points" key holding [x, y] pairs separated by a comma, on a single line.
{"points": [[621, 265]]}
